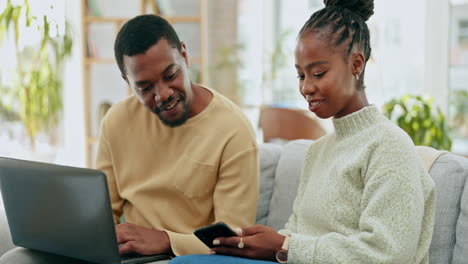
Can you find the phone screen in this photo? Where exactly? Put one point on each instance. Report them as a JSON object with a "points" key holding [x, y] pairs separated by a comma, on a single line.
{"points": [[208, 233]]}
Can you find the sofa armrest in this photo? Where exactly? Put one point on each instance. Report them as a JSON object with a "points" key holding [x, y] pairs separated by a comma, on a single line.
{"points": [[449, 243], [5, 239]]}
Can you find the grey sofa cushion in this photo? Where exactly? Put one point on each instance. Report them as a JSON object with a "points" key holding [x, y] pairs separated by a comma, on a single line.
{"points": [[460, 252], [269, 156], [5, 239], [286, 182], [449, 181]]}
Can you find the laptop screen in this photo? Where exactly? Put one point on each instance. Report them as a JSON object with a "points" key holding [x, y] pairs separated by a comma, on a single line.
{"points": [[59, 209]]}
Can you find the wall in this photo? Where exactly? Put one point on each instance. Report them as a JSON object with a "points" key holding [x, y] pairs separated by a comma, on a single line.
{"points": [[222, 33], [73, 150]]}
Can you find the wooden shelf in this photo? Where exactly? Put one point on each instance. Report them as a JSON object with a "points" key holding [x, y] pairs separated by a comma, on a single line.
{"points": [[95, 19], [183, 19], [121, 20], [92, 140], [197, 60], [99, 61]]}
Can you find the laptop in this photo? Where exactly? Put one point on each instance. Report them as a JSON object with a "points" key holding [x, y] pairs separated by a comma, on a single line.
{"points": [[62, 210]]}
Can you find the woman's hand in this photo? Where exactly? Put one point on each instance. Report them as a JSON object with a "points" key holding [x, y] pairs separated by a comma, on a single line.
{"points": [[256, 242]]}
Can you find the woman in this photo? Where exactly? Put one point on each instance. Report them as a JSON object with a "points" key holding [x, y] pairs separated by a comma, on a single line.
{"points": [[363, 196]]}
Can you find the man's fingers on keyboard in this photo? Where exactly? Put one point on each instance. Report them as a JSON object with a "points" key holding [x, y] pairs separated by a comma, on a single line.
{"points": [[129, 246]]}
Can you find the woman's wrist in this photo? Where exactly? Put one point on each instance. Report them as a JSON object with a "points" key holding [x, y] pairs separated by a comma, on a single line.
{"points": [[282, 254]]}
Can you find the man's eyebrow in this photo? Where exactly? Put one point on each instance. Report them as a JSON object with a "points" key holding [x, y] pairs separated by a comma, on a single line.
{"points": [[169, 67], [143, 82]]}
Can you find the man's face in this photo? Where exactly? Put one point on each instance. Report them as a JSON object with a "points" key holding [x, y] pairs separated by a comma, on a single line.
{"points": [[161, 82]]}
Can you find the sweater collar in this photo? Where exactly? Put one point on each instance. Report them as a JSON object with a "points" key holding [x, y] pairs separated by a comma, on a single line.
{"points": [[357, 121]]}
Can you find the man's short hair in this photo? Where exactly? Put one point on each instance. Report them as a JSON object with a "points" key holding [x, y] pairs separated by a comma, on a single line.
{"points": [[139, 34]]}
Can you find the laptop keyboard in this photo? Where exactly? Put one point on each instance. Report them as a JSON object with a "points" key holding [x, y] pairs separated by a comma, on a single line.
{"points": [[135, 258], [127, 256]]}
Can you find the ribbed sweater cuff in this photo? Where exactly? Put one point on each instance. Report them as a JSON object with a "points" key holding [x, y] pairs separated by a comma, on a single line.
{"points": [[302, 249]]}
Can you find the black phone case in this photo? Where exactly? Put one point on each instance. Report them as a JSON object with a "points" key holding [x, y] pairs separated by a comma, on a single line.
{"points": [[208, 233]]}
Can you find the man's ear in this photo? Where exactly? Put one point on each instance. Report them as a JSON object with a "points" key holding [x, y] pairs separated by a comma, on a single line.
{"points": [[358, 63], [183, 52], [125, 78]]}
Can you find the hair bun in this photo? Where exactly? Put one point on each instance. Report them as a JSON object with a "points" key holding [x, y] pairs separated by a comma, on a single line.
{"points": [[364, 8]]}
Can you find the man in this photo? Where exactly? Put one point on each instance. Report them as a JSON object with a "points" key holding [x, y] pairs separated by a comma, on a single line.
{"points": [[189, 161], [178, 156]]}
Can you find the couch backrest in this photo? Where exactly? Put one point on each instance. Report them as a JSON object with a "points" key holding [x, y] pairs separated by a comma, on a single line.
{"points": [[450, 239], [279, 179], [285, 186], [269, 155], [449, 172]]}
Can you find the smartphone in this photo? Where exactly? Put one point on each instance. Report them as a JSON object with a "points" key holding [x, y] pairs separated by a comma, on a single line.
{"points": [[208, 233]]}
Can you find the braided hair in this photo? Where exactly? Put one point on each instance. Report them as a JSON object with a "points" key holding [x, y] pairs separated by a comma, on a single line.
{"points": [[344, 22]]}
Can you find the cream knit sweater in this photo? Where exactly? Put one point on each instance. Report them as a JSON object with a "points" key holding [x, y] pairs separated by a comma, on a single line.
{"points": [[364, 197]]}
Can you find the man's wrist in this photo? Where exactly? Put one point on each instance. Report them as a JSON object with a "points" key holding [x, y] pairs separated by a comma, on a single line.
{"points": [[166, 242]]}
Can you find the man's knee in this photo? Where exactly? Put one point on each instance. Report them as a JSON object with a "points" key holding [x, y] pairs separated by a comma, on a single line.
{"points": [[16, 255], [28, 256]]}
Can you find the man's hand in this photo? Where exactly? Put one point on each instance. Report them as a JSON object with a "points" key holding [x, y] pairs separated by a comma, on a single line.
{"points": [[258, 242], [141, 240]]}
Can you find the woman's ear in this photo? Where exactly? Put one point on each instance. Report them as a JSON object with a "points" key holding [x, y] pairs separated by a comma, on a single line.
{"points": [[358, 63]]}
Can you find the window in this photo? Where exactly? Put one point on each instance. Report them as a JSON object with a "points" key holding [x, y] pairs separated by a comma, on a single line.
{"points": [[458, 74], [14, 140]]}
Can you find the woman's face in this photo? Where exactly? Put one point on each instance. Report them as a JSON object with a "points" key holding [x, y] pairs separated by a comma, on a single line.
{"points": [[326, 77]]}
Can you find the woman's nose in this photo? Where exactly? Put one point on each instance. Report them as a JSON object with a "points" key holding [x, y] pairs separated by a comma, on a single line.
{"points": [[308, 87]]}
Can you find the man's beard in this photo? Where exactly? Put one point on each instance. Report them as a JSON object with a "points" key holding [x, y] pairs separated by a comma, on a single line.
{"points": [[185, 111]]}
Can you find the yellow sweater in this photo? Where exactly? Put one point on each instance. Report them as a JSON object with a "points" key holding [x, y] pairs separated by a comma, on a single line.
{"points": [[181, 178]]}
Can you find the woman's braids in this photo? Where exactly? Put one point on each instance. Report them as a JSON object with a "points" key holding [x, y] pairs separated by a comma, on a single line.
{"points": [[343, 21]]}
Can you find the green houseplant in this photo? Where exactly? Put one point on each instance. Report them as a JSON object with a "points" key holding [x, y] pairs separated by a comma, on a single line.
{"points": [[35, 96], [421, 119]]}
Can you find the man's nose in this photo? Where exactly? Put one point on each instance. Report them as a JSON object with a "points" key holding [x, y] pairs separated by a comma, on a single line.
{"points": [[162, 93]]}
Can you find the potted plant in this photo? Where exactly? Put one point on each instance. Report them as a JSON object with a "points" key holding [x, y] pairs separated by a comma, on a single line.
{"points": [[421, 119], [35, 95]]}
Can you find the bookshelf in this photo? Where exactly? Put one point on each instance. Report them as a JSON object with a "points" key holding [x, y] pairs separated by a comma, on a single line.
{"points": [[101, 21]]}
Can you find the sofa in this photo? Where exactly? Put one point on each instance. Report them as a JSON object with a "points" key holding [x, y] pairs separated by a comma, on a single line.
{"points": [[281, 166]]}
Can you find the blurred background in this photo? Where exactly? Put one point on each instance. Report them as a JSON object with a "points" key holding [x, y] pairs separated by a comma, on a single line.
{"points": [[58, 75]]}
